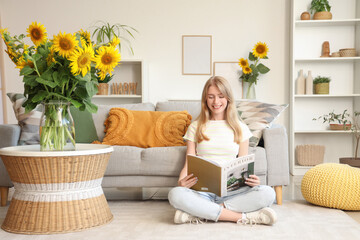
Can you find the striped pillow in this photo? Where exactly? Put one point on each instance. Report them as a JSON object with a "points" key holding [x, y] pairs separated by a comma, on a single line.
{"points": [[258, 116], [29, 122]]}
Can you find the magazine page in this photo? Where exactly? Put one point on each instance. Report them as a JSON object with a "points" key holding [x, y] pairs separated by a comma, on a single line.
{"points": [[235, 174]]}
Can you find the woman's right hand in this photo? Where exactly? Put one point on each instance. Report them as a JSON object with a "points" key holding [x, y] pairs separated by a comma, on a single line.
{"points": [[188, 181]]}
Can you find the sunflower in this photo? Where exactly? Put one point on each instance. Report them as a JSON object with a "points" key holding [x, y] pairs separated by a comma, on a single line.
{"points": [[101, 75], [84, 37], [106, 59], [81, 60], [247, 70], [243, 62], [50, 58], [21, 63], [37, 33], [260, 50], [65, 44], [115, 41]]}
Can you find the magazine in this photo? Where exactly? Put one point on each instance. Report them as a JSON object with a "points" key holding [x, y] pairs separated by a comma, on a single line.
{"points": [[223, 179]]}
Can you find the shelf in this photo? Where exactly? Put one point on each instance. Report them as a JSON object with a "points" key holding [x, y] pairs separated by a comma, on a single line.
{"points": [[322, 131], [334, 22], [319, 59], [327, 95], [117, 96]]}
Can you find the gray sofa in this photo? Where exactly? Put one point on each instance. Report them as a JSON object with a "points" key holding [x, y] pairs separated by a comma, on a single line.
{"points": [[160, 166]]}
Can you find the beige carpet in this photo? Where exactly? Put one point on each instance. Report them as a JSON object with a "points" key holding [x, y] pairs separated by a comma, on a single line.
{"points": [[154, 220]]}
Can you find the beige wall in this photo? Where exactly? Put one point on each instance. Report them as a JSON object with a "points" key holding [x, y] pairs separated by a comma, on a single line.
{"points": [[235, 25]]}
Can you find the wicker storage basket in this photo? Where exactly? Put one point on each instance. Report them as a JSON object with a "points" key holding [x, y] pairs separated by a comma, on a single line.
{"points": [[309, 155], [347, 52]]}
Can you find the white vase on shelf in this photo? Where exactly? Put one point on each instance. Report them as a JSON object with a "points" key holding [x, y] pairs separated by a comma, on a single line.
{"points": [[309, 83], [300, 84]]}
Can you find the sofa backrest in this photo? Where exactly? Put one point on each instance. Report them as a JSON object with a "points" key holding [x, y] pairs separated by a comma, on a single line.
{"points": [[192, 107]]}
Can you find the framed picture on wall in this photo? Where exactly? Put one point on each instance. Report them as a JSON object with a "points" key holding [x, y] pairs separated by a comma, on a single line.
{"points": [[196, 54], [231, 71]]}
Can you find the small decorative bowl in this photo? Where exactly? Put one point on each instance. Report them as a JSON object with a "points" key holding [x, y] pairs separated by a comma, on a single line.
{"points": [[347, 52], [335, 54]]}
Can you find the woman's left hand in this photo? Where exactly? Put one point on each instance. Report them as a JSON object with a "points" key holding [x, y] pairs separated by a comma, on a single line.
{"points": [[252, 181]]}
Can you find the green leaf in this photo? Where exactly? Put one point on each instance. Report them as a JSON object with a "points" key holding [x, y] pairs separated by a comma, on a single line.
{"points": [[36, 57], [76, 104], [262, 68], [90, 88], [86, 78], [39, 96], [26, 71], [30, 80], [92, 108], [81, 92], [252, 57], [46, 82]]}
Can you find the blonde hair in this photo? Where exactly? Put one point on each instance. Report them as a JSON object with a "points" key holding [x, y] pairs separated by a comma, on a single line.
{"points": [[231, 116]]}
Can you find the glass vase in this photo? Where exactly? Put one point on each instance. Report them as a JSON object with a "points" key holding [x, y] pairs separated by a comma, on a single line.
{"points": [[249, 90], [57, 131]]}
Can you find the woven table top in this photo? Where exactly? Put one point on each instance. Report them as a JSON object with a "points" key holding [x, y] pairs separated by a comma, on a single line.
{"points": [[34, 150]]}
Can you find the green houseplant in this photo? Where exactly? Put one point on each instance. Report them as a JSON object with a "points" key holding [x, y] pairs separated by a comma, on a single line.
{"points": [[355, 128], [321, 85], [337, 121], [321, 9]]}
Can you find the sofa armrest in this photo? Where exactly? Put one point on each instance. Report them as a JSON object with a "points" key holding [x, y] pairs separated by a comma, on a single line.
{"points": [[277, 155], [10, 134]]}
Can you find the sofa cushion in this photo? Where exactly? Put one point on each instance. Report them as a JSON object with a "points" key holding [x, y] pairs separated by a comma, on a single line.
{"points": [[158, 161], [103, 112], [260, 160], [125, 160], [192, 107], [28, 122], [85, 131], [146, 128], [258, 116]]}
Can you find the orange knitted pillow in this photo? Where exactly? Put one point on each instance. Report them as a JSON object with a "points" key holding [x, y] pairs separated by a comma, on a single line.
{"points": [[145, 128]]}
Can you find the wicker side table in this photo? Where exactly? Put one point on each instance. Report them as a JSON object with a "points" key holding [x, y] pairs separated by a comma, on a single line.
{"points": [[56, 192]]}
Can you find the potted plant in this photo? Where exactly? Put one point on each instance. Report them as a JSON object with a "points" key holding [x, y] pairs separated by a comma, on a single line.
{"points": [[104, 32], [337, 121], [321, 8], [321, 85], [355, 128]]}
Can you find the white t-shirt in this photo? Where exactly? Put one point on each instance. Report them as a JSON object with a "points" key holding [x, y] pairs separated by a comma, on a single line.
{"points": [[221, 146]]}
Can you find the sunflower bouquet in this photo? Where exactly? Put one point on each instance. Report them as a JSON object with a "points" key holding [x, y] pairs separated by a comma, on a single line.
{"points": [[252, 72], [64, 69]]}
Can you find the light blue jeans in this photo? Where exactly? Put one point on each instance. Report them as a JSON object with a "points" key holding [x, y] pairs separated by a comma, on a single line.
{"points": [[207, 205]]}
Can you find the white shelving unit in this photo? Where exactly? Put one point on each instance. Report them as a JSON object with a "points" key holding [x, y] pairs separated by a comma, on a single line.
{"points": [[307, 37], [129, 71]]}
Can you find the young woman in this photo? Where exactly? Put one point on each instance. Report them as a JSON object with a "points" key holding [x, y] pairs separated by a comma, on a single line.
{"points": [[220, 135]]}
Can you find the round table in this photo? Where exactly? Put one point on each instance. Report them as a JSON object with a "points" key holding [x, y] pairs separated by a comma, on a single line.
{"points": [[56, 191]]}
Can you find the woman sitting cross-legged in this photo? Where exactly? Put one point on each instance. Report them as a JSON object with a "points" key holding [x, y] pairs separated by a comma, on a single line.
{"points": [[219, 134]]}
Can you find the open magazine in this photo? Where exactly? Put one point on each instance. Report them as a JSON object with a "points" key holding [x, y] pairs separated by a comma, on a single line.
{"points": [[223, 179]]}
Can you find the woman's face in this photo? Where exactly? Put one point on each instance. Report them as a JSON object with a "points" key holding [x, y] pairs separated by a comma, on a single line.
{"points": [[217, 103]]}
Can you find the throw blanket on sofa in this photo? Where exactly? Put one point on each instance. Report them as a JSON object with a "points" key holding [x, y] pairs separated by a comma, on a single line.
{"points": [[146, 128]]}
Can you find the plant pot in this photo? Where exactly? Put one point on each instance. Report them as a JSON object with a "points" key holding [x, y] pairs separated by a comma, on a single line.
{"points": [[340, 126], [322, 15], [354, 162], [322, 88], [103, 89]]}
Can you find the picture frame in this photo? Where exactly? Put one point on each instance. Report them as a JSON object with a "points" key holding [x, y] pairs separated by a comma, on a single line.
{"points": [[196, 54], [231, 71]]}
